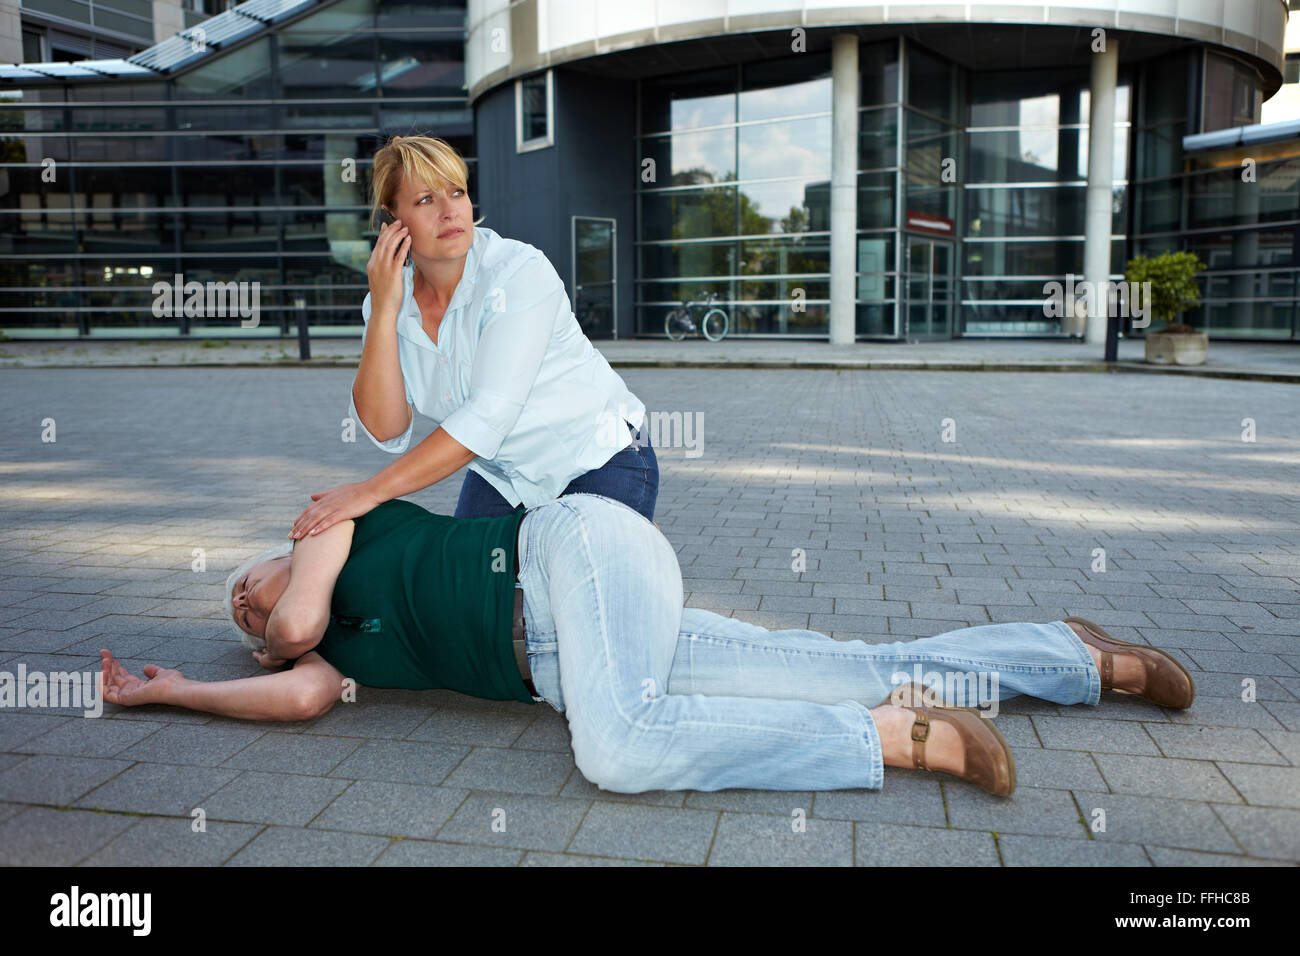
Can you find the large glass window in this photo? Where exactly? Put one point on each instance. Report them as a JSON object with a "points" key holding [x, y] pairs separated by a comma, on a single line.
{"points": [[208, 175], [763, 129], [533, 108], [318, 66], [1232, 93], [1026, 197], [244, 73]]}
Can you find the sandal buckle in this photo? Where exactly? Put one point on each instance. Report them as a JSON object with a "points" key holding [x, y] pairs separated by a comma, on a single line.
{"points": [[921, 729]]}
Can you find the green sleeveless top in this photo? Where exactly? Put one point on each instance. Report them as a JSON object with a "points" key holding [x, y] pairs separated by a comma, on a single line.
{"points": [[426, 601]]}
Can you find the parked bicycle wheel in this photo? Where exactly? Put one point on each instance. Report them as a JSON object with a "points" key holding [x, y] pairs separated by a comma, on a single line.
{"points": [[714, 325], [676, 324]]}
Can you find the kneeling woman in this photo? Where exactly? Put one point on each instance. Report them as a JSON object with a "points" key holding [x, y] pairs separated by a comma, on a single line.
{"points": [[657, 696]]}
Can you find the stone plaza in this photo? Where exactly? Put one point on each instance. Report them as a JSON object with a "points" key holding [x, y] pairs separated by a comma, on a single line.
{"points": [[1164, 507]]}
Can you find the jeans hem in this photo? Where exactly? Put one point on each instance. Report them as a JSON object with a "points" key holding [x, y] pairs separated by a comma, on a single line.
{"points": [[1093, 695]]}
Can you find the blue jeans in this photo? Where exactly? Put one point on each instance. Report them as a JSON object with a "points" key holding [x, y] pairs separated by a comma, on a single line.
{"points": [[631, 476], [661, 697]]}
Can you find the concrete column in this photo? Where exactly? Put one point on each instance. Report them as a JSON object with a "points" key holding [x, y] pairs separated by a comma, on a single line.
{"points": [[844, 187], [168, 19], [1101, 143], [11, 32]]}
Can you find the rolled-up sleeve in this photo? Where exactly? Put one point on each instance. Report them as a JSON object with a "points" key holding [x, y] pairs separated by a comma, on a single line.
{"points": [[394, 446], [519, 320]]}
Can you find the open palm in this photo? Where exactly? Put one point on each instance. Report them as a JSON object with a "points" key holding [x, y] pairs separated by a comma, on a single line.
{"points": [[123, 688]]}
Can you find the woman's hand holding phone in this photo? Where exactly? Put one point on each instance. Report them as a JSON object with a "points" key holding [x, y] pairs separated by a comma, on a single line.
{"points": [[384, 270]]}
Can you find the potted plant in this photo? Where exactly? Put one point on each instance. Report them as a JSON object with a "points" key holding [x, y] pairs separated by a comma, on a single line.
{"points": [[1173, 290]]}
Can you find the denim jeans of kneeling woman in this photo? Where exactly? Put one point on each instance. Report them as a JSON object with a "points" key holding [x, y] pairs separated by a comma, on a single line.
{"points": [[631, 476], [661, 697]]}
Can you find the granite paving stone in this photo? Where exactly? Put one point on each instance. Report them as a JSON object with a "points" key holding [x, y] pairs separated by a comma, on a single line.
{"points": [[908, 797], [1021, 850], [290, 846], [646, 833], [42, 836], [904, 536], [307, 754], [91, 737], [515, 820], [431, 853], [1029, 810], [759, 839], [1264, 786], [56, 780], [1158, 821], [207, 745], [157, 788], [522, 771], [879, 844], [391, 809], [1165, 777], [537, 858], [479, 727], [168, 841], [1168, 856], [1241, 744], [1263, 831], [1094, 734], [256, 797], [401, 761]]}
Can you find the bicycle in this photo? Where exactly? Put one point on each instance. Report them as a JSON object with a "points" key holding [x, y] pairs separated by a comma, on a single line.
{"points": [[678, 323]]}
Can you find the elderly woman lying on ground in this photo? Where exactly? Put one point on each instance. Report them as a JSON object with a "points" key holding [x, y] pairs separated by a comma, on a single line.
{"points": [[657, 696]]}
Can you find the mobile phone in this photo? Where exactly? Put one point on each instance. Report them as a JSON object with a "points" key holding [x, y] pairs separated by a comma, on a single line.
{"points": [[386, 216]]}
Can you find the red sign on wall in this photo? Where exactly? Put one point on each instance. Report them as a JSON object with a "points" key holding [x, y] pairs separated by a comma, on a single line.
{"points": [[935, 225]]}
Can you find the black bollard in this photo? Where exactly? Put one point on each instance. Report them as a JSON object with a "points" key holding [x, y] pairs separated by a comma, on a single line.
{"points": [[304, 343]]}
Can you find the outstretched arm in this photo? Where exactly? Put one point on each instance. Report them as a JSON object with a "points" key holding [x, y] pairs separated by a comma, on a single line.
{"points": [[310, 689]]}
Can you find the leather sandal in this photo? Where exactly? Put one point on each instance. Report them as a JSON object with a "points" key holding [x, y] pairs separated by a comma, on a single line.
{"points": [[989, 763], [1167, 681]]}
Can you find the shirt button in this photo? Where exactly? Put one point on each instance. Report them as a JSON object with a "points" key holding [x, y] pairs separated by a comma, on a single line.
{"points": [[447, 396]]}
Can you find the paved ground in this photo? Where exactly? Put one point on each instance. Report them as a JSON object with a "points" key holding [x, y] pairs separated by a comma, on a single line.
{"points": [[906, 535]]}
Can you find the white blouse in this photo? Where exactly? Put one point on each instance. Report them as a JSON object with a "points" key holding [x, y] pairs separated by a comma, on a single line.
{"points": [[512, 376]]}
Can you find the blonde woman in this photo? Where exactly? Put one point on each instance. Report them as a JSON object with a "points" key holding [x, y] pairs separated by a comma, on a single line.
{"points": [[476, 332]]}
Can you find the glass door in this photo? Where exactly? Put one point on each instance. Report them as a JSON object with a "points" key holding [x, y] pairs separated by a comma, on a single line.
{"points": [[594, 246], [930, 289]]}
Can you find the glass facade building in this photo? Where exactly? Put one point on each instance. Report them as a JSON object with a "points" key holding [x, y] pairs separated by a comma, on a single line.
{"points": [[251, 163], [1237, 207]]}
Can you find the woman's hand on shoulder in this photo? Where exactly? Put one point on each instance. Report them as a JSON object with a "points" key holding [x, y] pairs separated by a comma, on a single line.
{"points": [[332, 506]]}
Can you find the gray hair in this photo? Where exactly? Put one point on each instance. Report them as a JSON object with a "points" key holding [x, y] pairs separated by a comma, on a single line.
{"points": [[270, 554]]}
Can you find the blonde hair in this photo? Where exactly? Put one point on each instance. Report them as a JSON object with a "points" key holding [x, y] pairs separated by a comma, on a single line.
{"points": [[426, 159]]}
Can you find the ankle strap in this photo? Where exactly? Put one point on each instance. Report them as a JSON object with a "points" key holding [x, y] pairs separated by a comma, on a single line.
{"points": [[920, 734]]}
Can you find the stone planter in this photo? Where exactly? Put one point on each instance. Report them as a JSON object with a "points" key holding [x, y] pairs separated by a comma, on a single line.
{"points": [[1177, 348]]}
